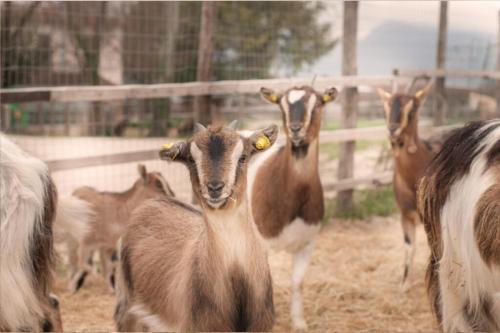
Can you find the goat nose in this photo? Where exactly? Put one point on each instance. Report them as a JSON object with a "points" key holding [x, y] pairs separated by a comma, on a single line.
{"points": [[295, 128], [215, 188]]}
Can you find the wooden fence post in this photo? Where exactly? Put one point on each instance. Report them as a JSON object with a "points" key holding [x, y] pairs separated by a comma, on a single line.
{"points": [[202, 113], [498, 67], [349, 100], [440, 102]]}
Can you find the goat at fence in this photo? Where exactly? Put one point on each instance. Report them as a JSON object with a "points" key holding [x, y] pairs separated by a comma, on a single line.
{"points": [[186, 270], [459, 204], [411, 157], [28, 206], [285, 188], [104, 224]]}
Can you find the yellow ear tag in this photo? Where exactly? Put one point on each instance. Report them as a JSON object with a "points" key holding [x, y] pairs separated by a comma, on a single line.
{"points": [[262, 143], [168, 146], [274, 98], [326, 98]]}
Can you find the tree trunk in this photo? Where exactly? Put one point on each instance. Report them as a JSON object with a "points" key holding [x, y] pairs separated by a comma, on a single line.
{"points": [[93, 61], [202, 110], [349, 100], [161, 112], [440, 102]]}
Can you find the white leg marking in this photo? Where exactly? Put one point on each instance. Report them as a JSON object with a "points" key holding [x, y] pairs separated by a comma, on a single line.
{"points": [[301, 261]]}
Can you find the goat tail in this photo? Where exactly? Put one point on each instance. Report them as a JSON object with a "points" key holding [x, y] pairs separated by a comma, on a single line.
{"points": [[73, 217]]}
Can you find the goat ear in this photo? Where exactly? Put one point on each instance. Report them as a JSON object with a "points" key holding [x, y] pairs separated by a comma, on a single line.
{"points": [[263, 139], [421, 94], [329, 95], [270, 95], [384, 95], [233, 125], [142, 171], [199, 128], [174, 151]]}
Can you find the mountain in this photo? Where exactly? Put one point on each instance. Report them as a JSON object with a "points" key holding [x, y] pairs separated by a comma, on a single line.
{"points": [[396, 44]]}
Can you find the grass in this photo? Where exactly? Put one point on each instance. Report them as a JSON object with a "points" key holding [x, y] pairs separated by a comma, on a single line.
{"points": [[331, 149], [367, 202]]}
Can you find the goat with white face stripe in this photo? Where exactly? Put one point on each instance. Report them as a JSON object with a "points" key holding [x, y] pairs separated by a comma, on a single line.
{"points": [[301, 108], [285, 188]]}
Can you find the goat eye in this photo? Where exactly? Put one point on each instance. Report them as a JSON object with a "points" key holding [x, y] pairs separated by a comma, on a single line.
{"points": [[242, 159], [158, 184]]}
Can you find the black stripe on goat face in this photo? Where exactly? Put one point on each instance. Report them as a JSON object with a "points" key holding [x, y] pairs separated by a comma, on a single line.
{"points": [[298, 106], [398, 116], [216, 153]]}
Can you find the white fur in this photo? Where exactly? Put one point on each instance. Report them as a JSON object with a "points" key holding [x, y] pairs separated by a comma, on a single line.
{"points": [[463, 274], [294, 236], [22, 196], [311, 103], [301, 261], [153, 322], [73, 216], [295, 95]]}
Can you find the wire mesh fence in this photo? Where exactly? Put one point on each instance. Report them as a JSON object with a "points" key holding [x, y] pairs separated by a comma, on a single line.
{"points": [[142, 42]]}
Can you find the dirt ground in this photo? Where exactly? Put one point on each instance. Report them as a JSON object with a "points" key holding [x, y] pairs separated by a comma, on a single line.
{"points": [[351, 285]]}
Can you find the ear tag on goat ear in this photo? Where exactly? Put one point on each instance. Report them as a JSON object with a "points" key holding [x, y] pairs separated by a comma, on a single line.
{"points": [[274, 98], [326, 98], [262, 143], [168, 146]]}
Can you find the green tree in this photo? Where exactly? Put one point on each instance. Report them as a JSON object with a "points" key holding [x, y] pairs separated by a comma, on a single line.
{"points": [[255, 38]]}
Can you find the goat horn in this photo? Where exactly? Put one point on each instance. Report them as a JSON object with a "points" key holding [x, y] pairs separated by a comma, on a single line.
{"points": [[232, 125]]}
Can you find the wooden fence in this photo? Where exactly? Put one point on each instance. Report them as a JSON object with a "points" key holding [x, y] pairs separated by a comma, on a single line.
{"points": [[108, 93]]}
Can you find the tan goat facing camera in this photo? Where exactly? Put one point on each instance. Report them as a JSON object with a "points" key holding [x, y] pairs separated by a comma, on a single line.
{"points": [[186, 270]]}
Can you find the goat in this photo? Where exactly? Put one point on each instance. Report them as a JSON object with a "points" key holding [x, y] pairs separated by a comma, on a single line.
{"points": [[459, 204], [285, 188], [411, 157], [28, 204], [103, 217], [186, 270]]}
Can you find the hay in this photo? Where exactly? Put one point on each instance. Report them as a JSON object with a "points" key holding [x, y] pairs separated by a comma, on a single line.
{"points": [[352, 285]]}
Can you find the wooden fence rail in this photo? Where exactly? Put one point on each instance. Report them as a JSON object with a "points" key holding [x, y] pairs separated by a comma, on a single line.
{"points": [[372, 133], [107, 93]]}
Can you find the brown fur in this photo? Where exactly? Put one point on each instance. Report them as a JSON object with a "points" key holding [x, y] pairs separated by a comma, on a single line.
{"points": [[193, 271], [288, 185], [278, 198], [42, 254], [486, 224], [112, 211], [411, 157], [452, 163]]}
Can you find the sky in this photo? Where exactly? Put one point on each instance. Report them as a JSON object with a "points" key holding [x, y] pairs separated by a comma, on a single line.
{"points": [[479, 19], [481, 16]]}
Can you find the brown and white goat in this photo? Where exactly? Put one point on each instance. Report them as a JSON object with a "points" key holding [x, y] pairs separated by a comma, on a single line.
{"points": [[28, 204], [459, 204], [411, 157], [186, 270], [285, 187], [104, 224]]}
